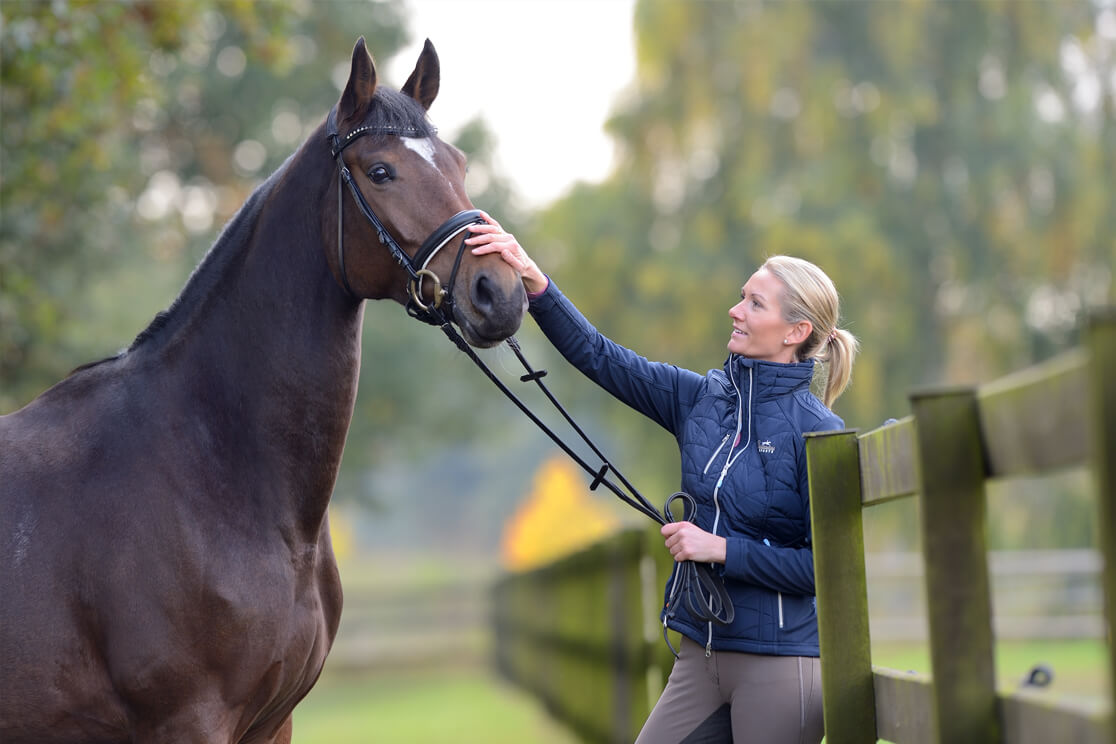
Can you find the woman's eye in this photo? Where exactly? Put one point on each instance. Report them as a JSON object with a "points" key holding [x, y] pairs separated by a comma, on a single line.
{"points": [[380, 173]]}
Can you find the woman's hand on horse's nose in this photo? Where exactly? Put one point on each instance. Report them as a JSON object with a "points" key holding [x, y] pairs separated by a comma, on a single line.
{"points": [[490, 238], [487, 238]]}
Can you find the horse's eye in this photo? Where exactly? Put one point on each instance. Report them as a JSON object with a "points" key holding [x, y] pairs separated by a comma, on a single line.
{"points": [[380, 173]]}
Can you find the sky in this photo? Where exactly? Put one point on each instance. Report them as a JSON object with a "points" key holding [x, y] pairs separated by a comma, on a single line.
{"points": [[544, 74]]}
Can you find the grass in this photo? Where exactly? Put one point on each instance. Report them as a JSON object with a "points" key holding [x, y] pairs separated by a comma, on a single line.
{"points": [[469, 704], [1079, 666], [429, 706]]}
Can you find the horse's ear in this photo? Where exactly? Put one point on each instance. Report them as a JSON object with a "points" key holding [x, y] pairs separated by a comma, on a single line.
{"points": [[362, 84], [423, 83]]}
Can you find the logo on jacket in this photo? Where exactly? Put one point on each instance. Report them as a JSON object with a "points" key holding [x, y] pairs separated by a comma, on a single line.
{"points": [[767, 447]]}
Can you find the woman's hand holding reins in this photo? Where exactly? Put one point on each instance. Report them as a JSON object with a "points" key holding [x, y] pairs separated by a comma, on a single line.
{"points": [[491, 238], [688, 542]]}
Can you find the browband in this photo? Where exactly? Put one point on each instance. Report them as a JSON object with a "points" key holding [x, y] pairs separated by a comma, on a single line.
{"points": [[337, 144]]}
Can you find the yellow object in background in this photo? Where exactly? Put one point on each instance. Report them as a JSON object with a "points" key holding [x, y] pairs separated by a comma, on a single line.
{"points": [[558, 517]]}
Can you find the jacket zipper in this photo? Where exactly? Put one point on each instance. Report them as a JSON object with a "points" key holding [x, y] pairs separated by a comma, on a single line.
{"points": [[717, 452], [729, 460], [778, 595]]}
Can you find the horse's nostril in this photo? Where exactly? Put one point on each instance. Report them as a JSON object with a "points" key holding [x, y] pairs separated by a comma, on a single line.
{"points": [[483, 294]]}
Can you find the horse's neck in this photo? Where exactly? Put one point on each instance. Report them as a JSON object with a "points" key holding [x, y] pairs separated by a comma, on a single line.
{"points": [[275, 340]]}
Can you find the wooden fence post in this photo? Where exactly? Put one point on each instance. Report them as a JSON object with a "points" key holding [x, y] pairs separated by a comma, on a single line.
{"points": [[959, 606], [1101, 343], [848, 698]]}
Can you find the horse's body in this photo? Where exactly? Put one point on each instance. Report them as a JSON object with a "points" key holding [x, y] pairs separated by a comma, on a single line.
{"points": [[166, 572]]}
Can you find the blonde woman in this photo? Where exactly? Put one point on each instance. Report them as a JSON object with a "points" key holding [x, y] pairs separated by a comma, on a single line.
{"points": [[739, 430]]}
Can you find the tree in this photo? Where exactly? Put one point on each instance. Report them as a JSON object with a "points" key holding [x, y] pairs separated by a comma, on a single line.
{"points": [[945, 163]]}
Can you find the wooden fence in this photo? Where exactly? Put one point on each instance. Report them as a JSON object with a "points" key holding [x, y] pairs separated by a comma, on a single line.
{"points": [[1054, 416], [582, 633]]}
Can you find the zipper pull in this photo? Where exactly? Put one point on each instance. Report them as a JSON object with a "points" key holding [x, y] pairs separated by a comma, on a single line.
{"points": [[709, 649]]}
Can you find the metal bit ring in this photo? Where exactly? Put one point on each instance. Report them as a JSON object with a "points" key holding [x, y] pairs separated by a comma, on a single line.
{"points": [[416, 290]]}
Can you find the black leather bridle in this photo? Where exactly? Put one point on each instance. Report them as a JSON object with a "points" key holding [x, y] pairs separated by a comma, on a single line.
{"points": [[416, 265]]}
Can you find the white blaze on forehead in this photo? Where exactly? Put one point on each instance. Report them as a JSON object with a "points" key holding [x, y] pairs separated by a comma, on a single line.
{"points": [[424, 146]]}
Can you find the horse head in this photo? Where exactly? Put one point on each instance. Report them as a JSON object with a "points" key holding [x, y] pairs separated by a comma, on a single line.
{"points": [[405, 201]]}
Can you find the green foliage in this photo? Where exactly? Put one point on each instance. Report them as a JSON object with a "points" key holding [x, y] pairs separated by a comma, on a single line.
{"points": [[84, 92], [941, 161]]}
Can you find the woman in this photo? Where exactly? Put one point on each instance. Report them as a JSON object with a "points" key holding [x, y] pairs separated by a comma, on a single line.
{"points": [[739, 430]]}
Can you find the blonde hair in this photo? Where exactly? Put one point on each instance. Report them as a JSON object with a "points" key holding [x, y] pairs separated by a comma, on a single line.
{"points": [[809, 295]]}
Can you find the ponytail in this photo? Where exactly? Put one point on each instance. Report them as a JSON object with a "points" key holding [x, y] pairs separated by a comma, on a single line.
{"points": [[837, 353], [809, 295]]}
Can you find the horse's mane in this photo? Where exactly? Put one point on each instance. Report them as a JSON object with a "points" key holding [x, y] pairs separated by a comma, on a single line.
{"points": [[210, 268], [207, 272]]}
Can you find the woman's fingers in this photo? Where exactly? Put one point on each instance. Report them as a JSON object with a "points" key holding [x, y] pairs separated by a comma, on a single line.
{"points": [[489, 219]]}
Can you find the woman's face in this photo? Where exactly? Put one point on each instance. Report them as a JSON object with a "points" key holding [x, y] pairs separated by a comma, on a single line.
{"points": [[758, 328]]}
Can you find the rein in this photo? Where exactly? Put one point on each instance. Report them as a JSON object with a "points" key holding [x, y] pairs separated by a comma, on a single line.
{"points": [[696, 584]]}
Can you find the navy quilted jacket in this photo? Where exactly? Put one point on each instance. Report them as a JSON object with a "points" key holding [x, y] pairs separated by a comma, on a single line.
{"points": [[739, 431]]}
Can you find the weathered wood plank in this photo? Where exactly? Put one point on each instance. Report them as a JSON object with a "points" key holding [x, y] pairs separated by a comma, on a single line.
{"points": [[1036, 420], [832, 463], [959, 605], [888, 463], [904, 706], [1034, 717]]}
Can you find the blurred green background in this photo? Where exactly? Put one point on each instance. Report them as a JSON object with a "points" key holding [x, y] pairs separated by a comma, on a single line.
{"points": [[948, 164]]}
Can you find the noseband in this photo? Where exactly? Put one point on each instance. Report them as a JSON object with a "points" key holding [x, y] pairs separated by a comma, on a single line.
{"points": [[416, 266]]}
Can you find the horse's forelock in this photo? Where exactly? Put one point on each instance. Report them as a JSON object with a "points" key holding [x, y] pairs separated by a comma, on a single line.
{"points": [[395, 112]]}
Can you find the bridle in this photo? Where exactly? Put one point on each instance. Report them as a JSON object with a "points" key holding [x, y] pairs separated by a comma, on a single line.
{"points": [[698, 585], [416, 265]]}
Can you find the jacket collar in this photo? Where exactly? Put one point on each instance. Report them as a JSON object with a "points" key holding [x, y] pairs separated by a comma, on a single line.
{"points": [[769, 378]]}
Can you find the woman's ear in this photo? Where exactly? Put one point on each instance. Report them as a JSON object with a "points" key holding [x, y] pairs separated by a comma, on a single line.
{"points": [[800, 332]]}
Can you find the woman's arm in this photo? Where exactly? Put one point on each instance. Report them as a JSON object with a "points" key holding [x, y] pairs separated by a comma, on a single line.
{"points": [[788, 570]]}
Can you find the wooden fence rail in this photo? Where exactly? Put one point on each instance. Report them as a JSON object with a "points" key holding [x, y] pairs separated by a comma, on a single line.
{"points": [[1056, 415], [583, 635]]}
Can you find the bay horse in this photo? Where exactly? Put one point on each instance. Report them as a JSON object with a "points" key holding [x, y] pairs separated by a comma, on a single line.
{"points": [[166, 573]]}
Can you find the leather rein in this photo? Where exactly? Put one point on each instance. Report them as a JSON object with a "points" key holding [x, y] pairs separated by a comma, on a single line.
{"points": [[697, 584]]}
